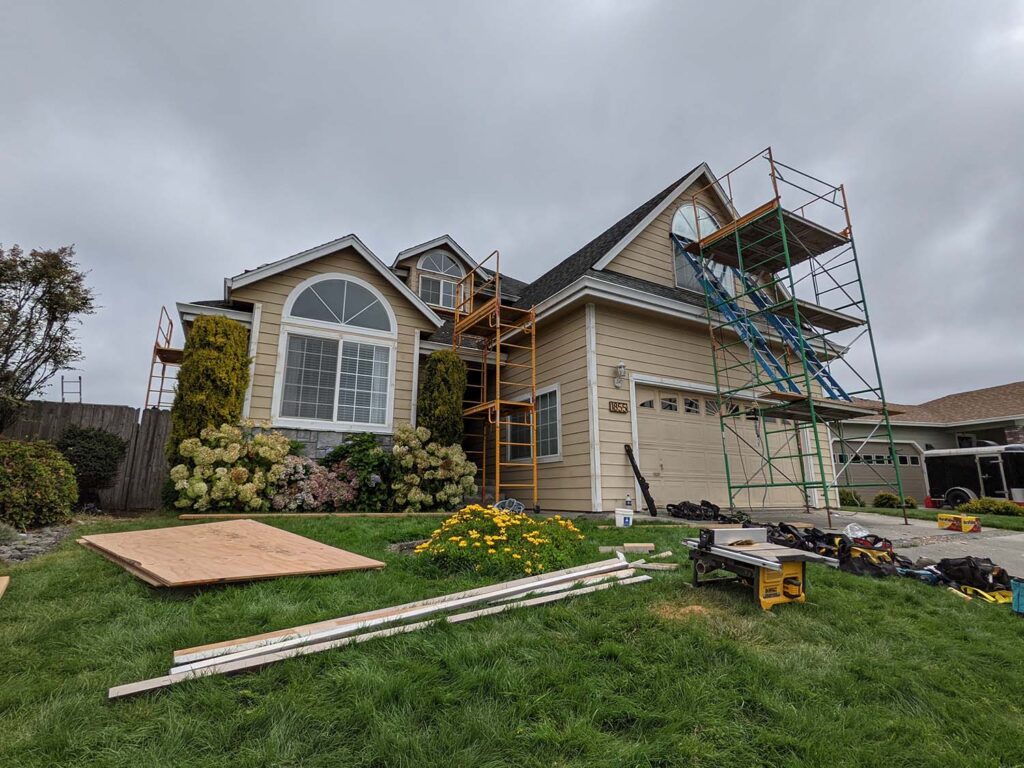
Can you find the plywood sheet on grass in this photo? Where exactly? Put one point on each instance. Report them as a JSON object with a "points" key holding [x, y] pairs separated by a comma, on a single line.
{"points": [[236, 550]]}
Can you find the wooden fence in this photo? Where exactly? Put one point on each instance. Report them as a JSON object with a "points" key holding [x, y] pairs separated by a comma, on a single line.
{"points": [[144, 468]]}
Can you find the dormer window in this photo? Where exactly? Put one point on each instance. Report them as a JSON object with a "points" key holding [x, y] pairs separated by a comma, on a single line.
{"points": [[439, 274]]}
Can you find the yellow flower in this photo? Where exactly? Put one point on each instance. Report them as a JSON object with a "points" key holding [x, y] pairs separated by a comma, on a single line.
{"points": [[463, 544], [516, 556], [492, 551], [476, 543]]}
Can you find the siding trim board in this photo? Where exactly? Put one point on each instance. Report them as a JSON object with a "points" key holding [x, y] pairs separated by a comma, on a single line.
{"points": [[594, 420], [254, 340]]}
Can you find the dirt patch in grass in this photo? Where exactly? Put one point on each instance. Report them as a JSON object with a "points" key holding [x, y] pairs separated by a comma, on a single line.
{"points": [[672, 612]]}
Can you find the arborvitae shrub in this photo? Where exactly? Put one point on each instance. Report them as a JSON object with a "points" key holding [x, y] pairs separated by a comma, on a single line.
{"points": [[212, 380], [442, 387]]}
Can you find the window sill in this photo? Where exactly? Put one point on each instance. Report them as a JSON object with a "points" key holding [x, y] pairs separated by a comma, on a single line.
{"points": [[329, 426]]}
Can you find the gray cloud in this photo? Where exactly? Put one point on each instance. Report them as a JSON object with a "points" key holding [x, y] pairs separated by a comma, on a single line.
{"points": [[179, 143]]}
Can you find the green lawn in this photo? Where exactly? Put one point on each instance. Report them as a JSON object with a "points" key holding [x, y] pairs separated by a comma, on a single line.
{"points": [[987, 521], [868, 673]]}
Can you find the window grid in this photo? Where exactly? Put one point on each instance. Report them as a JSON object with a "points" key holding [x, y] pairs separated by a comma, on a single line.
{"points": [[690, 405], [311, 367], [669, 403], [439, 293], [363, 389]]}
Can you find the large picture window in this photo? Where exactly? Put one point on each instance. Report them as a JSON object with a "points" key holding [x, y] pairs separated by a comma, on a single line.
{"points": [[351, 390], [333, 370]]}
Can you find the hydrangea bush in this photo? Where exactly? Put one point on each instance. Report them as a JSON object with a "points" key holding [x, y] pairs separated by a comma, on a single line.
{"points": [[303, 485], [253, 470], [494, 542], [229, 467], [429, 475]]}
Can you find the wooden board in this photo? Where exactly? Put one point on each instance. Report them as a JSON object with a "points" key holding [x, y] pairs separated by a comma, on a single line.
{"points": [[196, 653], [4, 581], [212, 553], [242, 665]]}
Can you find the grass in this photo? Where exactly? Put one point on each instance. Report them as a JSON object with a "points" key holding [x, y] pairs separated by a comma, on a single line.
{"points": [[1007, 522], [868, 672]]}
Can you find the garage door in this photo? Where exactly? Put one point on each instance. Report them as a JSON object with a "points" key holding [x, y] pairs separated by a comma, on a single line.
{"points": [[871, 464], [681, 452]]}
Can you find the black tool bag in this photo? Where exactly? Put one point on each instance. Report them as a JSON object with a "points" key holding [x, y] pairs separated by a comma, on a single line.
{"points": [[978, 572]]}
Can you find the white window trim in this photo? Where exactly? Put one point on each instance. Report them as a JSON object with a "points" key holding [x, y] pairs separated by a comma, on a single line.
{"points": [[295, 422], [441, 278], [286, 311], [555, 457]]}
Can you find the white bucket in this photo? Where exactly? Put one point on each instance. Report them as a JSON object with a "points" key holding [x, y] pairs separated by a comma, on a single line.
{"points": [[1017, 494], [623, 517]]}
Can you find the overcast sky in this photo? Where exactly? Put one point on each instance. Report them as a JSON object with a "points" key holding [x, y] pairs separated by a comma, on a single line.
{"points": [[179, 143]]}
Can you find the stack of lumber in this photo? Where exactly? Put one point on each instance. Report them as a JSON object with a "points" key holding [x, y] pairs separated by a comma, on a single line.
{"points": [[260, 650], [215, 553]]}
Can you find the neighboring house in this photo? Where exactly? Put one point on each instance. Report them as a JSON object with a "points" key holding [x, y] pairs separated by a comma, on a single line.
{"points": [[962, 420], [623, 352]]}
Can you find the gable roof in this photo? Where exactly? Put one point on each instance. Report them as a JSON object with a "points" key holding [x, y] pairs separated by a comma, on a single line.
{"points": [[430, 245], [1005, 401], [612, 239], [348, 241]]}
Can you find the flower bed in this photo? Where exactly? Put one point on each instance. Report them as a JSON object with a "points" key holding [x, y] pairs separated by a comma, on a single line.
{"points": [[499, 543]]}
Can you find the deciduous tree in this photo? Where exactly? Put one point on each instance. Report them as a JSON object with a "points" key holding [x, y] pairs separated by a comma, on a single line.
{"points": [[43, 296]]}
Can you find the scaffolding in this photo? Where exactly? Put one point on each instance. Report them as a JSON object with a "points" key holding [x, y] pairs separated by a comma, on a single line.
{"points": [[792, 346], [501, 413], [164, 365]]}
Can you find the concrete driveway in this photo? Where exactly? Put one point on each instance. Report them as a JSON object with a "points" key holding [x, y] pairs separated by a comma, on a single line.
{"points": [[920, 538]]}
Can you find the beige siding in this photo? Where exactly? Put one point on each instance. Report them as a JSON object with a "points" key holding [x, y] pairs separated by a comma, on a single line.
{"points": [[649, 256], [563, 485], [653, 346], [272, 292]]}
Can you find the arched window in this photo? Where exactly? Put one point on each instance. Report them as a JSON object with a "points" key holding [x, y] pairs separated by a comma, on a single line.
{"points": [[335, 372], [688, 215], [438, 287], [684, 225], [341, 301], [441, 262]]}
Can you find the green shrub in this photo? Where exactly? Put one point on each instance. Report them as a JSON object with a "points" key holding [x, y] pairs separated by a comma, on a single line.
{"points": [[989, 506], [364, 455], [428, 475], [499, 543], [850, 498], [95, 454], [230, 468], [886, 500], [212, 379], [37, 484], [296, 448], [439, 406]]}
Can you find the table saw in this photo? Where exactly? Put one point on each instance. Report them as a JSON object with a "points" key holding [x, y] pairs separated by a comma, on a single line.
{"points": [[776, 573]]}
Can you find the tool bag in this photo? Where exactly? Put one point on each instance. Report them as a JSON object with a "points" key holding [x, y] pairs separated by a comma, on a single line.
{"points": [[979, 572]]}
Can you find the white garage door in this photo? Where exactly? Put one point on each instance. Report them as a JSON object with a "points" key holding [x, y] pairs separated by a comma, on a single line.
{"points": [[681, 452]]}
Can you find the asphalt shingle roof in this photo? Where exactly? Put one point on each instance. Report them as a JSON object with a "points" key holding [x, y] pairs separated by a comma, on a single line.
{"points": [[577, 265], [1003, 401]]}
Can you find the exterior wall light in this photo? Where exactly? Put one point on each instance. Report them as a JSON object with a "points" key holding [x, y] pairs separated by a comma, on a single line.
{"points": [[620, 375]]}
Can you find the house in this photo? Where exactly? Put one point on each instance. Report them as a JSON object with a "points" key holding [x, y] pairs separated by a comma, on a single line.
{"points": [[623, 353], [992, 415]]}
